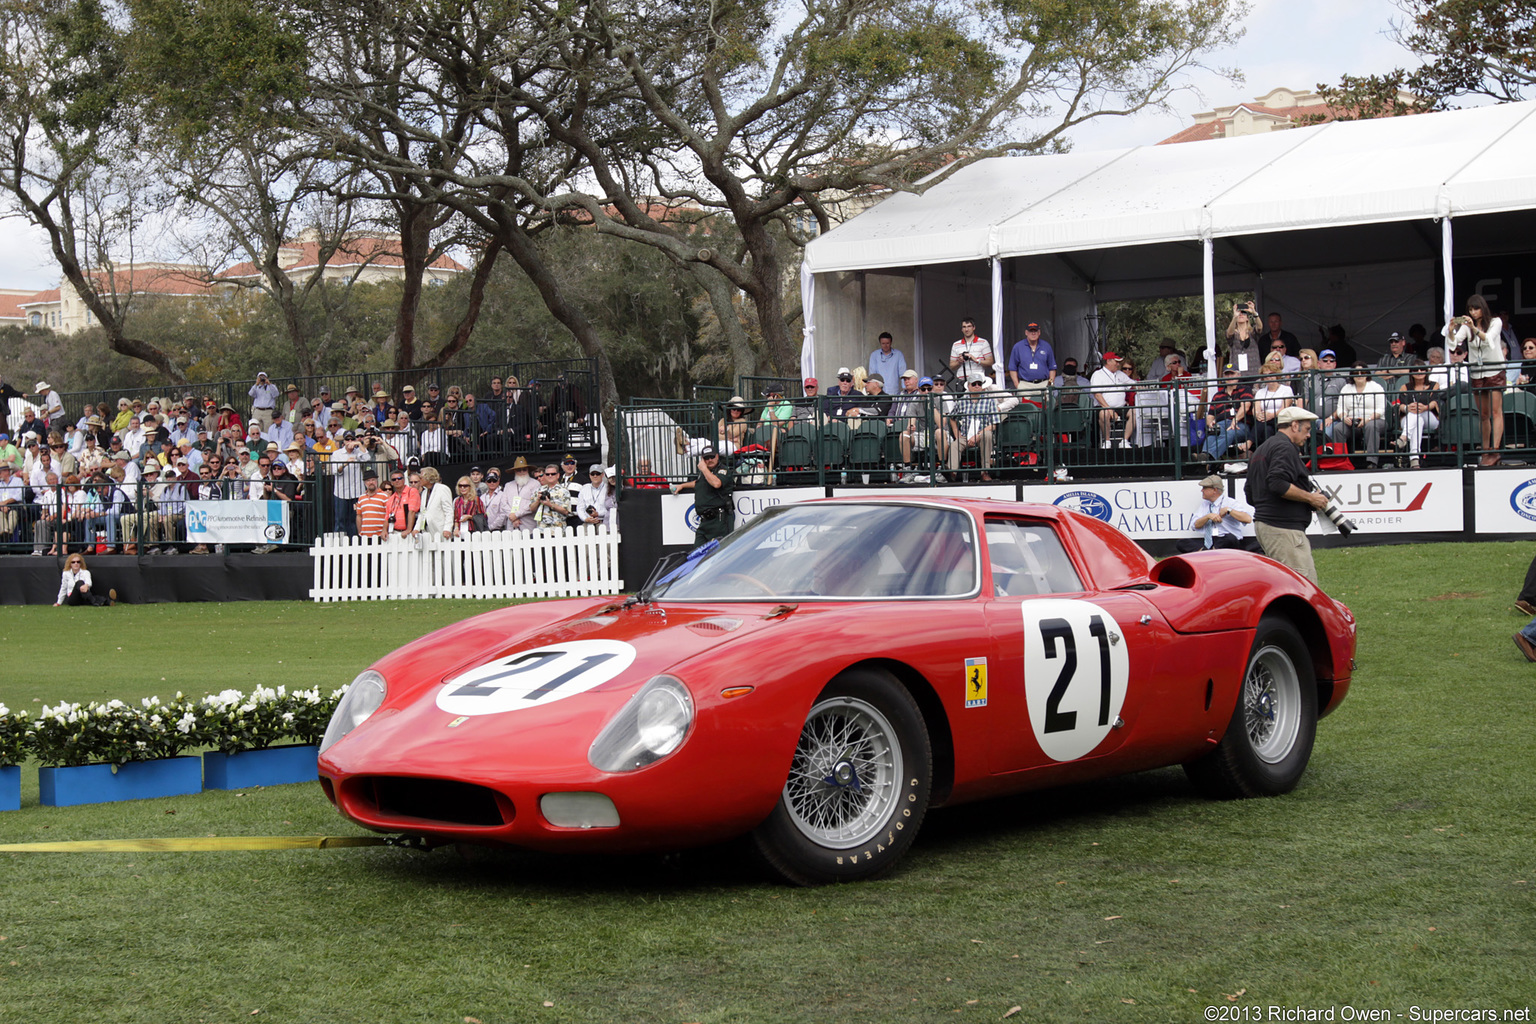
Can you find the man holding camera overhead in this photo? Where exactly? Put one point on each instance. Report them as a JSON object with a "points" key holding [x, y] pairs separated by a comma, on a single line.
{"points": [[1280, 491]]}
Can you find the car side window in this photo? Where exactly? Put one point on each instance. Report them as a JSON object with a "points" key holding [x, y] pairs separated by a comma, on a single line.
{"points": [[1028, 559]]}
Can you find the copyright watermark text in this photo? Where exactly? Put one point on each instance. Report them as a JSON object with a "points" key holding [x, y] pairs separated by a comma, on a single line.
{"points": [[1251, 1013]]}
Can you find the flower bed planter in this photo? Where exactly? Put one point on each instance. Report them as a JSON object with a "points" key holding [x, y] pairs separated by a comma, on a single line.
{"points": [[136, 780], [273, 766], [10, 788]]}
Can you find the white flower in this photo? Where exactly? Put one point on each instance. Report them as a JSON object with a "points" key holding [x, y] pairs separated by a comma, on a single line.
{"points": [[287, 717], [154, 719], [114, 704], [186, 722]]}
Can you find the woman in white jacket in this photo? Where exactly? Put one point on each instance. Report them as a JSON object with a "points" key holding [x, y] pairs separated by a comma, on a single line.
{"points": [[436, 519], [1481, 332], [75, 586]]}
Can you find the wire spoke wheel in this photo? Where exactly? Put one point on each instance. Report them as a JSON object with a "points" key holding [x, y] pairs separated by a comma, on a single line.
{"points": [[845, 777], [1269, 738], [857, 785], [1272, 704]]}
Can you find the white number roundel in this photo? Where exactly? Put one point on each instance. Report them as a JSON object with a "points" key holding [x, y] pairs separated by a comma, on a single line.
{"points": [[1076, 669], [534, 678]]}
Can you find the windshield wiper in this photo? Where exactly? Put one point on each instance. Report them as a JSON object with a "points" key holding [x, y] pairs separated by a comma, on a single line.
{"points": [[668, 569]]}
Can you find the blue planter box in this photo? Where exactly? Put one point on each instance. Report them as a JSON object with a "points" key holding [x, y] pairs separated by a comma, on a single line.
{"points": [[136, 780], [274, 766], [10, 788]]}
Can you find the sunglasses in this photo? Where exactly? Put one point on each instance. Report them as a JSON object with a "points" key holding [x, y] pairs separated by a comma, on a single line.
{"points": [[463, 487]]}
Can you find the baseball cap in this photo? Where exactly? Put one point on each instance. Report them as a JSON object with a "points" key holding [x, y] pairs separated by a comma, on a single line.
{"points": [[349, 436], [876, 376], [843, 371], [1110, 355], [1031, 326], [1394, 336], [925, 382], [909, 373], [708, 452], [568, 458], [1327, 353], [811, 382], [1211, 481], [596, 467], [408, 390]]}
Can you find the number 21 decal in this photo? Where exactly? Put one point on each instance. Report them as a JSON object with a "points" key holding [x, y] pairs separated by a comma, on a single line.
{"points": [[1076, 669], [530, 679]]}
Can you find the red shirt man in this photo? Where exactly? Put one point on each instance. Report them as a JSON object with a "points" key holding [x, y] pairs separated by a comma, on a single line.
{"points": [[372, 507]]}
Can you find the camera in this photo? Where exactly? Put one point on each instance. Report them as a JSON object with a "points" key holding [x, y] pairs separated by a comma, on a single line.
{"points": [[591, 510], [1341, 522]]}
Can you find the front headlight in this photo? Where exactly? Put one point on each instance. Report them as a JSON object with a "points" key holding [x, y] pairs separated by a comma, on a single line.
{"points": [[362, 699], [652, 724]]}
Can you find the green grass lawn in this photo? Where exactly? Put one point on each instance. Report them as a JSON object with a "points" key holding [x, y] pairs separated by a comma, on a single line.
{"points": [[1399, 874]]}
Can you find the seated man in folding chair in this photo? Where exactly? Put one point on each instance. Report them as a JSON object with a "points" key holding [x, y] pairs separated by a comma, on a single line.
{"points": [[916, 417], [973, 424]]}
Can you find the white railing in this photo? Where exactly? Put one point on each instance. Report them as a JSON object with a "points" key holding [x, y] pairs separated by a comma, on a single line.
{"points": [[511, 563]]}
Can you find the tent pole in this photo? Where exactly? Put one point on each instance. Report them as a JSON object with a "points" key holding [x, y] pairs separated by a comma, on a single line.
{"points": [[919, 349], [807, 320], [1208, 252], [998, 355], [1445, 260]]}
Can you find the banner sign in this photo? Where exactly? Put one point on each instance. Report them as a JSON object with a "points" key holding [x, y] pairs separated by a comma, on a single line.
{"points": [[679, 519], [1143, 510], [1406, 501], [237, 522], [1505, 500]]}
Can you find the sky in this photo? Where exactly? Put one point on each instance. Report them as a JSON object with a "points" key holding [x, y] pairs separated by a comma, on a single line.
{"points": [[1291, 43]]}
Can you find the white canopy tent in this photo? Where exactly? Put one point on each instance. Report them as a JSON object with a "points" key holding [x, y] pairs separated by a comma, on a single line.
{"points": [[1328, 224]]}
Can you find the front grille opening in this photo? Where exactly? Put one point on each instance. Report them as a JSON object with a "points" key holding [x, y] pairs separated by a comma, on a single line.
{"points": [[434, 800]]}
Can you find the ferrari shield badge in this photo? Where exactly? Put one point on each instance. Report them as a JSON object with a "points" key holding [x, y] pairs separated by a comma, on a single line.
{"points": [[975, 682]]}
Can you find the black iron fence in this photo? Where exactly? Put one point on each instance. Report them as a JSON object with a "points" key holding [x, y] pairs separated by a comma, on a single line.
{"points": [[1168, 429]]}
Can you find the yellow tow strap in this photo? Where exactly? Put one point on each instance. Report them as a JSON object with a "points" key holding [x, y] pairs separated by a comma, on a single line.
{"points": [[203, 843]]}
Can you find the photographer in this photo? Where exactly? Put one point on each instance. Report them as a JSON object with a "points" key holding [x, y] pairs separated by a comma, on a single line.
{"points": [[1279, 488], [552, 505], [1242, 346], [595, 500], [714, 499]]}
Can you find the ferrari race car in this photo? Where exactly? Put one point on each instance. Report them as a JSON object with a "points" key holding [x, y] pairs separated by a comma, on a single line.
{"points": [[822, 677]]}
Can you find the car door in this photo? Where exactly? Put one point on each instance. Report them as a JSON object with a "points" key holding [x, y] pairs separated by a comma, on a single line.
{"points": [[1071, 666]]}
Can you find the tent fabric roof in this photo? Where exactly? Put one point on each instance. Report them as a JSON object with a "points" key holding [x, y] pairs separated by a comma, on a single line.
{"points": [[1344, 172]]}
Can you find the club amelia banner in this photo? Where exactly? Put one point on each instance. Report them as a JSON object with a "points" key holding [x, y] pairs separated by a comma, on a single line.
{"points": [[1505, 500], [237, 522], [1411, 501]]}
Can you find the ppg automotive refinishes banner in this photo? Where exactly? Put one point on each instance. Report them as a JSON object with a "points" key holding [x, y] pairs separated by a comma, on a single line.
{"points": [[237, 522]]}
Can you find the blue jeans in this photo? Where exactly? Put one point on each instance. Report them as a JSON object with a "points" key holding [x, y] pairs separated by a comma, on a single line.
{"points": [[1529, 631], [1225, 434]]}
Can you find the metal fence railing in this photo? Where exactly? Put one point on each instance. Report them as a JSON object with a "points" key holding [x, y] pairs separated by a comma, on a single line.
{"points": [[1143, 429]]}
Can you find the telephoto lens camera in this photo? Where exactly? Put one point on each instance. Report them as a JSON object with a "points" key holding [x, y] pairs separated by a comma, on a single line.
{"points": [[1341, 522]]}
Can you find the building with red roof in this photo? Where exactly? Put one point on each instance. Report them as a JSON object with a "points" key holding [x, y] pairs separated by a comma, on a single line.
{"points": [[1276, 110]]}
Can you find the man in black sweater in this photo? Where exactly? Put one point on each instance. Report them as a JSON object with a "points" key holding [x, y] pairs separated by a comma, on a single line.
{"points": [[1280, 492]]}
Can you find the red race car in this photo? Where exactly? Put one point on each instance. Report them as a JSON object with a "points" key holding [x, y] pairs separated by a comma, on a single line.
{"points": [[822, 677]]}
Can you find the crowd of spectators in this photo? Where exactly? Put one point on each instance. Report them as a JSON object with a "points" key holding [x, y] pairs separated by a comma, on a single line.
{"points": [[1378, 413], [119, 480]]}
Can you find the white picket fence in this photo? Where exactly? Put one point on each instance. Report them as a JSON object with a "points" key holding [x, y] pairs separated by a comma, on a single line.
{"points": [[511, 563]]}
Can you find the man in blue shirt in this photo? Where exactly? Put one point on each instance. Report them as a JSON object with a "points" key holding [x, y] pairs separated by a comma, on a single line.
{"points": [[888, 362], [1032, 364]]}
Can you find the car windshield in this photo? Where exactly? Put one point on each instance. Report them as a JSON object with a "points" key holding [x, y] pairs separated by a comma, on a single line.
{"points": [[796, 552]]}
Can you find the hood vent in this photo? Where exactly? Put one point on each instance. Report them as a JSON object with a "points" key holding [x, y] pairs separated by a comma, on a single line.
{"points": [[715, 625]]}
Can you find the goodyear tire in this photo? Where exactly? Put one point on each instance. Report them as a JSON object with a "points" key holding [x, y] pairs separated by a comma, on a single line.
{"points": [[1269, 739], [858, 785]]}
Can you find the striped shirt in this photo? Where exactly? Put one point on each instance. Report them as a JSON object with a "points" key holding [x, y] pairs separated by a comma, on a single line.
{"points": [[372, 513]]}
